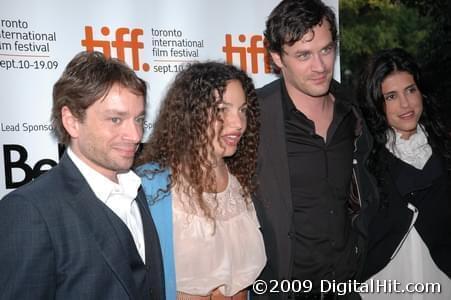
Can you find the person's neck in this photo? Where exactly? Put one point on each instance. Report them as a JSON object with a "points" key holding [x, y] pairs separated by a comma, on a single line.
{"points": [[111, 175], [310, 105], [222, 176], [317, 109]]}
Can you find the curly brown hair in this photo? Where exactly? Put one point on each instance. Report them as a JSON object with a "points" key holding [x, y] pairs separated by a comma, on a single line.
{"points": [[181, 139]]}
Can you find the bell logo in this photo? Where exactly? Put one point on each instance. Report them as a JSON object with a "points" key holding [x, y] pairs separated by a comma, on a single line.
{"points": [[20, 165], [255, 50], [120, 43]]}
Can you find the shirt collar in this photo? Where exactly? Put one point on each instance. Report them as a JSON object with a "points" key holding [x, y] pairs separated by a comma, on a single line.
{"points": [[335, 90], [287, 103], [103, 187], [414, 151]]}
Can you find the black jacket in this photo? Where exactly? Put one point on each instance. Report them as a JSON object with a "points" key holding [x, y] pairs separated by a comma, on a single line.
{"points": [[273, 198], [429, 191]]}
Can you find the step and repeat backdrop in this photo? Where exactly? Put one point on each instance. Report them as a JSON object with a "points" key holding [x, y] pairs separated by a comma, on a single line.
{"points": [[157, 38]]}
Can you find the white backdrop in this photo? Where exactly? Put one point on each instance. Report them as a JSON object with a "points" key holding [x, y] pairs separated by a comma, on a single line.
{"points": [[155, 37]]}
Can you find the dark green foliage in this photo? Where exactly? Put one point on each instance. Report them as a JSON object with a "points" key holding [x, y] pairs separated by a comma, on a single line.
{"points": [[422, 27]]}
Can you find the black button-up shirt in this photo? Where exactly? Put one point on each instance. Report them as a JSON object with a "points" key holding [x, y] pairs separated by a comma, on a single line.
{"points": [[320, 178]]}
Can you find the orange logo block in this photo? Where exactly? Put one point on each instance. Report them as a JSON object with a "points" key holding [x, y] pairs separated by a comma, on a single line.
{"points": [[254, 50], [120, 43]]}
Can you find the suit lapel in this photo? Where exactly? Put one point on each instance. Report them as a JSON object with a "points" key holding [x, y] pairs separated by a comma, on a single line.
{"points": [[152, 246], [147, 224], [153, 253], [273, 146], [94, 215]]}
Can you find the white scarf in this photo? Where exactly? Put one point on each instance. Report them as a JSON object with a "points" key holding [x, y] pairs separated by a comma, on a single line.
{"points": [[415, 151]]}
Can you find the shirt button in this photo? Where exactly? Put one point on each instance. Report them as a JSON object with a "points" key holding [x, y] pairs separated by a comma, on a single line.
{"points": [[331, 211]]}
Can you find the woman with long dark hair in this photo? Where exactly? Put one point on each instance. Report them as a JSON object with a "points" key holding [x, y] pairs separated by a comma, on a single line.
{"points": [[198, 176], [410, 232]]}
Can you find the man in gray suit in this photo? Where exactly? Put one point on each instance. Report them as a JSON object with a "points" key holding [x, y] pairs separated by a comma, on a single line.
{"points": [[83, 230]]}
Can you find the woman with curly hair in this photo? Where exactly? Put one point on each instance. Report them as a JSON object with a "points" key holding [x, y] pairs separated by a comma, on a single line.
{"points": [[410, 232], [198, 175]]}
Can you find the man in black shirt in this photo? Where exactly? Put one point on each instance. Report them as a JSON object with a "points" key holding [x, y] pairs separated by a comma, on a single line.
{"points": [[310, 173]]}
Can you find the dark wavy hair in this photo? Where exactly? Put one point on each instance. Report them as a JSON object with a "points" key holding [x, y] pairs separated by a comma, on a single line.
{"points": [[181, 139], [372, 102], [290, 20]]}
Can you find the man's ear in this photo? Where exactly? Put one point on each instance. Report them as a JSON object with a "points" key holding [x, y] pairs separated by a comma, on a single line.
{"points": [[277, 59], [70, 122]]}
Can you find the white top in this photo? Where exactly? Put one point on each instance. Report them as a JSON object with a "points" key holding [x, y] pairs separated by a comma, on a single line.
{"points": [[228, 254], [411, 263], [120, 198], [415, 151]]}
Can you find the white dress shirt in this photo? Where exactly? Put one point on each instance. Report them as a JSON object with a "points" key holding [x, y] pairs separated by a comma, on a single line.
{"points": [[120, 198]]}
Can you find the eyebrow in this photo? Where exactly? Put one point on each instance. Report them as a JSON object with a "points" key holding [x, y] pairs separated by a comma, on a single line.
{"points": [[230, 104], [412, 85], [330, 44], [389, 93], [407, 87], [115, 112], [120, 112]]}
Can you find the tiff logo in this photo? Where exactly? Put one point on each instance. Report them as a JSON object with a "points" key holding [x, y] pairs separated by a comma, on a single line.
{"points": [[124, 39], [255, 49]]}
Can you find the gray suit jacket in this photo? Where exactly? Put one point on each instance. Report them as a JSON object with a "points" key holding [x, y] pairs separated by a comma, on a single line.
{"points": [[59, 241]]}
